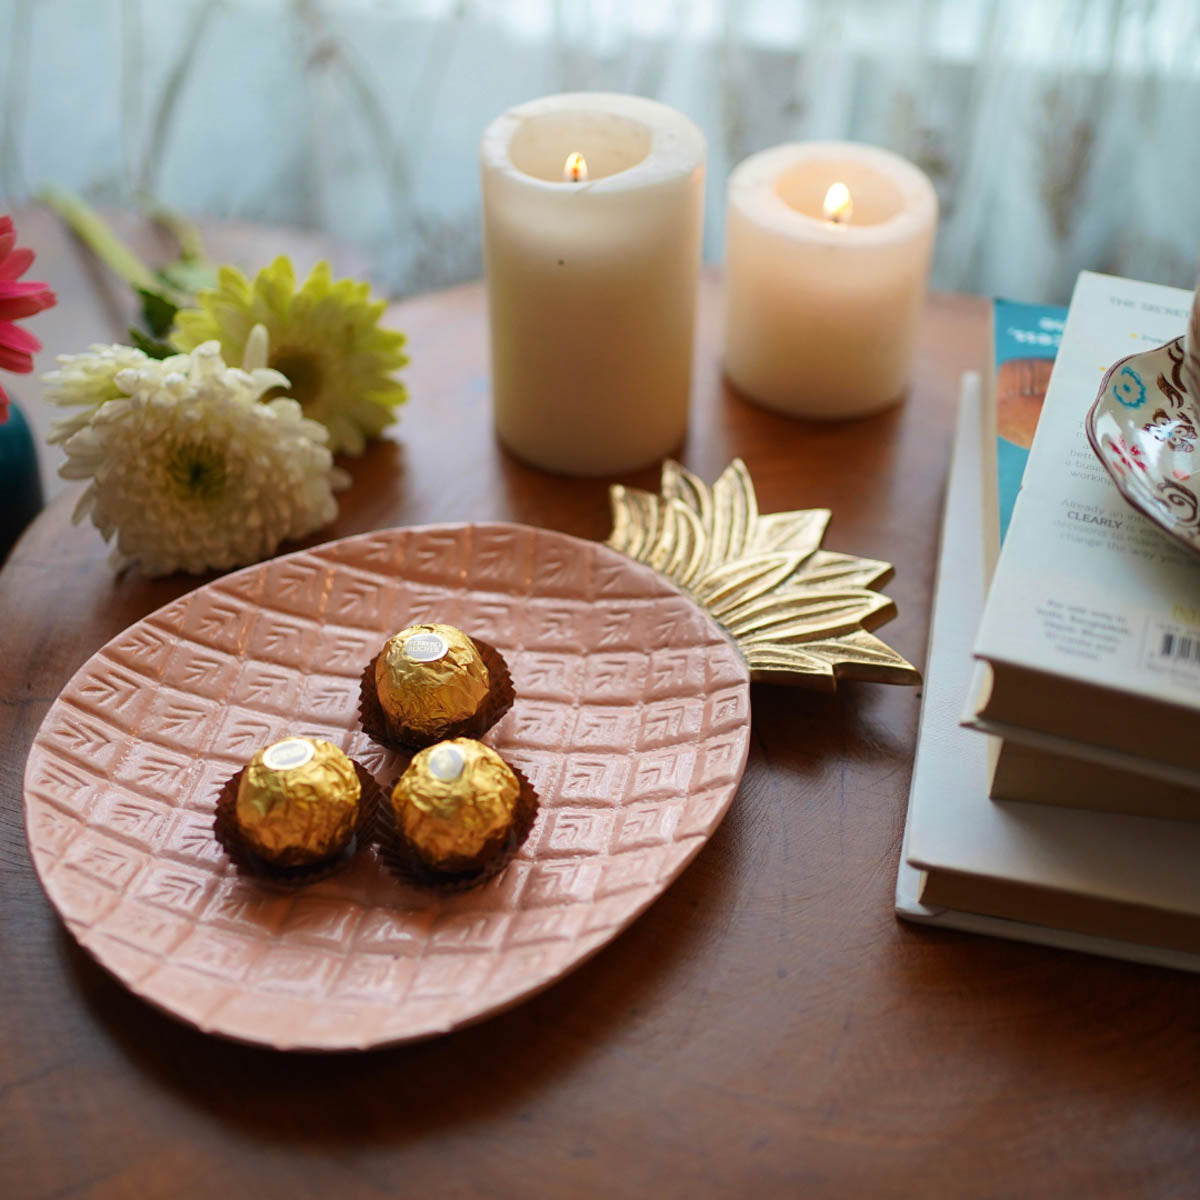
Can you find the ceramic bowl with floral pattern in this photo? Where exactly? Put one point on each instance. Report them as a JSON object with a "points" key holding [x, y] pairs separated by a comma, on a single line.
{"points": [[1143, 428]]}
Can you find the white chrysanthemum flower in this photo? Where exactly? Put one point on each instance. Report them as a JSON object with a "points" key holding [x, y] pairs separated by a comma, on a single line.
{"points": [[189, 469], [85, 381]]}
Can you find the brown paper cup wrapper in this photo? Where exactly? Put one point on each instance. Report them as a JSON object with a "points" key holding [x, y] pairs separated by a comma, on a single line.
{"points": [[376, 725], [226, 830], [399, 857]]}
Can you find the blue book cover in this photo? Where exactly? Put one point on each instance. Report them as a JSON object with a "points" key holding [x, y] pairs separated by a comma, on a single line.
{"points": [[1026, 338]]}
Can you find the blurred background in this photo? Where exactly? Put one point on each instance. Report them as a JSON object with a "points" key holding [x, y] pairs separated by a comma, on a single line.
{"points": [[1060, 134]]}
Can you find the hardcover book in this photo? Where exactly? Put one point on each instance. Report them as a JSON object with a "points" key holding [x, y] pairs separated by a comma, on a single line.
{"points": [[1090, 631], [1105, 883], [1051, 773], [1038, 767]]}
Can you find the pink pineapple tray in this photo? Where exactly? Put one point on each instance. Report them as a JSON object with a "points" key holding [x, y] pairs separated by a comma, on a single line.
{"points": [[631, 720]]}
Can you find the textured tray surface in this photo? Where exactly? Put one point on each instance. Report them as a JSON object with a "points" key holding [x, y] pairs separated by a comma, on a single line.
{"points": [[631, 720]]}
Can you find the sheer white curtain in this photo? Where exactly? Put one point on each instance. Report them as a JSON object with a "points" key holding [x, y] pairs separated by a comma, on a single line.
{"points": [[1060, 134]]}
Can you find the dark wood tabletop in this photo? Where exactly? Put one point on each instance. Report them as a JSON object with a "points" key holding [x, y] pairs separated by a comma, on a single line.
{"points": [[767, 1028]]}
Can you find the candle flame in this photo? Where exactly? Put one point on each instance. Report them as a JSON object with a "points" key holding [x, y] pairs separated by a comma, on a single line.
{"points": [[575, 168], [839, 207]]}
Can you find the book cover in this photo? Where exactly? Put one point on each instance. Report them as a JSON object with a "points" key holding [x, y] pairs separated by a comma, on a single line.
{"points": [[1032, 872], [1090, 600], [1025, 341]]}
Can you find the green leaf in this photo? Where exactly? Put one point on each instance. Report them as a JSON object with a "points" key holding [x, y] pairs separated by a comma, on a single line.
{"points": [[94, 231], [157, 311], [190, 275], [149, 346]]}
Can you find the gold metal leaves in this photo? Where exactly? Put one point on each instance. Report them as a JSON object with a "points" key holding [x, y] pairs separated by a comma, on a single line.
{"points": [[799, 614]]}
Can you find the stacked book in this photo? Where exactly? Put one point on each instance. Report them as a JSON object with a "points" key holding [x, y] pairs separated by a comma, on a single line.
{"points": [[1056, 788]]}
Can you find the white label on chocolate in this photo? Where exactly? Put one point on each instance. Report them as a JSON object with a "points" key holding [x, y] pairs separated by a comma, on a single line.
{"points": [[446, 762], [288, 754], [425, 647]]}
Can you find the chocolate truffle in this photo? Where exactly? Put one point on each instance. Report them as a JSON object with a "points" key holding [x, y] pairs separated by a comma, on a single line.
{"points": [[455, 806], [297, 802], [430, 679]]}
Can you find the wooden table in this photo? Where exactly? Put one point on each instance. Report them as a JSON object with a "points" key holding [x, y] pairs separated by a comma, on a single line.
{"points": [[766, 1029]]}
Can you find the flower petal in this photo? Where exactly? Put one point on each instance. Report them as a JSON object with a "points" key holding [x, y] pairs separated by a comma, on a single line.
{"points": [[16, 262], [258, 349], [26, 302], [16, 338], [18, 300], [27, 287], [15, 361]]}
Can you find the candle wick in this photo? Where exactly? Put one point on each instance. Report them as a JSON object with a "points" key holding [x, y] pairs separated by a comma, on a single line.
{"points": [[575, 168], [838, 205]]}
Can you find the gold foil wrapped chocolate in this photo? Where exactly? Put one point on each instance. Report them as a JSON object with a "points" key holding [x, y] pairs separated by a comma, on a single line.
{"points": [[429, 679], [298, 801], [456, 804]]}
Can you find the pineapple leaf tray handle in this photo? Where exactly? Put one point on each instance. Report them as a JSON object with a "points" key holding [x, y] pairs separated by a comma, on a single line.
{"points": [[799, 614]]}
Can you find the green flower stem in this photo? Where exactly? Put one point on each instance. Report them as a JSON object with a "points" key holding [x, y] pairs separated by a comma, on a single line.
{"points": [[187, 236], [92, 229]]}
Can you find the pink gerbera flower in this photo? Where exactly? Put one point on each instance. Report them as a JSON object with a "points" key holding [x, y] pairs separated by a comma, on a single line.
{"points": [[17, 300]]}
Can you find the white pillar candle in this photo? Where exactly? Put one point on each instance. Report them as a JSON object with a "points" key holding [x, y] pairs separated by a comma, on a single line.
{"points": [[593, 209], [824, 290]]}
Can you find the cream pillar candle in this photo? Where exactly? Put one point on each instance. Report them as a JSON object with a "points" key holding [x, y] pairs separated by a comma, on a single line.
{"points": [[825, 283], [593, 208]]}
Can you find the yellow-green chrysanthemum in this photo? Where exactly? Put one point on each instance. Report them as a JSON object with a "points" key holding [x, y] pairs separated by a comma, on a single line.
{"points": [[325, 338]]}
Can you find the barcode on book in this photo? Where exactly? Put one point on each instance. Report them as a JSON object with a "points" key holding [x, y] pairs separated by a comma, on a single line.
{"points": [[1173, 650], [1179, 647]]}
